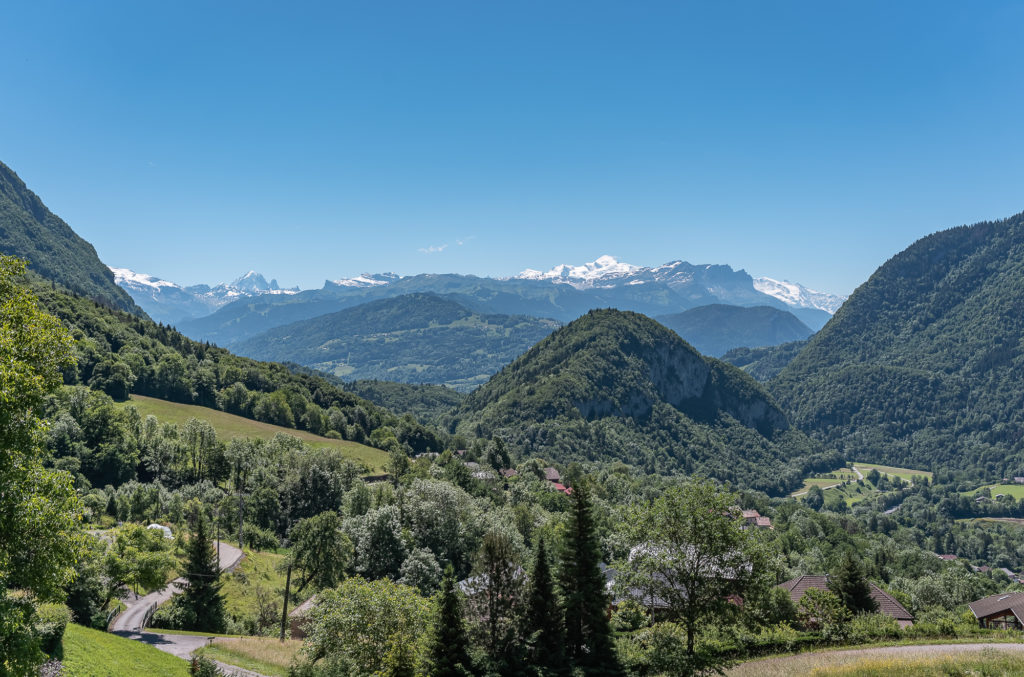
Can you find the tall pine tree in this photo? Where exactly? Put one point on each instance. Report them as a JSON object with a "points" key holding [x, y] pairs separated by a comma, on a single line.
{"points": [[545, 624], [201, 599], [851, 585], [448, 645], [588, 633]]}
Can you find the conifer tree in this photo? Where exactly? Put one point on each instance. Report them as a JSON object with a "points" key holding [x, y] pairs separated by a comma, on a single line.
{"points": [[851, 586], [448, 645], [588, 632], [545, 624], [201, 599]]}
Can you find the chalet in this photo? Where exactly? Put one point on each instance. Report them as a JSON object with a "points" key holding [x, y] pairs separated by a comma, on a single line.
{"points": [[1003, 612], [299, 617], [509, 473], [552, 475], [754, 520], [887, 604]]}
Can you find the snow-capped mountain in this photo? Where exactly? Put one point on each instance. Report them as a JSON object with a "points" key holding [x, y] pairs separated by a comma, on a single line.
{"points": [[169, 302], [799, 296], [366, 280], [719, 281]]}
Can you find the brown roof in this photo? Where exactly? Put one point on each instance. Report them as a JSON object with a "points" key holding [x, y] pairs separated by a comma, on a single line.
{"points": [[552, 475], [764, 521], [509, 472], [887, 604], [1010, 601], [748, 514], [303, 608]]}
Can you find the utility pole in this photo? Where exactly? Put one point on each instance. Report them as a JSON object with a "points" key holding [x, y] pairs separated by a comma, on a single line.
{"points": [[287, 589]]}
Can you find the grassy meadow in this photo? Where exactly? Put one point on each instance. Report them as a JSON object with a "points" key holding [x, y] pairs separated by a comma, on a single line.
{"points": [[91, 653], [905, 661], [265, 655], [229, 426]]}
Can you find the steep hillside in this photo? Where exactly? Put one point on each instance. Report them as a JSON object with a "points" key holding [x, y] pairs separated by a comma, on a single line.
{"points": [[424, 401], [924, 365], [416, 338], [764, 363], [717, 328], [616, 385], [30, 231]]}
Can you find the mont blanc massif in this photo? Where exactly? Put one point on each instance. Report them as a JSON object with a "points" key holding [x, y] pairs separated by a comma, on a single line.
{"points": [[598, 469]]}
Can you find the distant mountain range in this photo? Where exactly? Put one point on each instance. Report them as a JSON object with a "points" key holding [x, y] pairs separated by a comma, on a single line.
{"points": [[563, 293], [716, 329], [170, 303], [415, 338]]}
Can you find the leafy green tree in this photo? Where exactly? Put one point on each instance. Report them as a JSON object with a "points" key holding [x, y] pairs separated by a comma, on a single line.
{"points": [[380, 549], [822, 611], [851, 586], [495, 598], [201, 601], [40, 536], [815, 497], [321, 552], [692, 553], [138, 558], [544, 622], [588, 633], [448, 654], [368, 628]]}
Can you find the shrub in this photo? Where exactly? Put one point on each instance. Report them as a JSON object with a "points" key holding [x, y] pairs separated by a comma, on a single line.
{"points": [[866, 627], [203, 667], [629, 616], [259, 539], [50, 623]]}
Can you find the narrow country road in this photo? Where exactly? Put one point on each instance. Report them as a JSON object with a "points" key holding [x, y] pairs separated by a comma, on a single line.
{"points": [[129, 622]]}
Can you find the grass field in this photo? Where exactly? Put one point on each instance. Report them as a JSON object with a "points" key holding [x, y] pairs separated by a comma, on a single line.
{"points": [[1015, 490], [905, 661], [229, 426], [91, 653], [826, 480], [265, 655], [903, 473], [257, 580]]}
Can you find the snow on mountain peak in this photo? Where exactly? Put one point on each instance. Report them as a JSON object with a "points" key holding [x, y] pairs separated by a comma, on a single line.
{"points": [[586, 275], [127, 276], [797, 295], [367, 280]]}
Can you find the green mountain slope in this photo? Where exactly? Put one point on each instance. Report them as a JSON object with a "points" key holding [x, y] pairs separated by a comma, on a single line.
{"points": [[30, 231], [718, 328], [416, 338], [617, 385], [764, 363], [924, 365]]}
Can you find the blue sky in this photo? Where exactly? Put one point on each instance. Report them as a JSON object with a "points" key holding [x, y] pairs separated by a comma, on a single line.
{"points": [[800, 140]]}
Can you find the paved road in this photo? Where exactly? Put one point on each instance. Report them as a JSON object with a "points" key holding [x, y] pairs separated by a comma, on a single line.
{"points": [[182, 646], [130, 620]]}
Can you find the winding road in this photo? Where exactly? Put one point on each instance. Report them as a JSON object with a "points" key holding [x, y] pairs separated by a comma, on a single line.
{"points": [[130, 622]]}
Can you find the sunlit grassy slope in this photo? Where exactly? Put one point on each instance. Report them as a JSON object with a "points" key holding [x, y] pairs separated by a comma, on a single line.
{"points": [[229, 426], [91, 653]]}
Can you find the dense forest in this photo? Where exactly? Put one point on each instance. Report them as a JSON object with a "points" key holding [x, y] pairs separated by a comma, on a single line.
{"points": [[764, 363], [716, 329], [923, 365]]}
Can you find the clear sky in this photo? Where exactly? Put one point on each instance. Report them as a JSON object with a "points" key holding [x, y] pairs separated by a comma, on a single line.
{"points": [[801, 140]]}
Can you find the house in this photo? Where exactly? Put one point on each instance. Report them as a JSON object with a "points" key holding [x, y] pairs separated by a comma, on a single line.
{"points": [[299, 617], [509, 473], [1003, 612], [1018, 480], [887, 604], [948, 558], [160, 527], [753, 518], [565, 490], [552, 475]]}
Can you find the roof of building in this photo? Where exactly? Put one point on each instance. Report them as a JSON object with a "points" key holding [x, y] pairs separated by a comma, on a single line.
{"points": [[509, 472], [887, 604], [303, 608], [764, 521], [552, 475], [994, 604], [750, 514], [948, 558]]}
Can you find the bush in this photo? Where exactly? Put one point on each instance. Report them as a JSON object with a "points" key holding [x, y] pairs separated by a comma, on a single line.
{"points": [[259, 539], [50, 623], [629, 616], [203, 667], [173, 616], [866, 627]]}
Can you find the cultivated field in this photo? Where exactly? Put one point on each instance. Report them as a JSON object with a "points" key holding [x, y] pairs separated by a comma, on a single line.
{"points": [[1015, 490], [229, 426], [903, 473]]}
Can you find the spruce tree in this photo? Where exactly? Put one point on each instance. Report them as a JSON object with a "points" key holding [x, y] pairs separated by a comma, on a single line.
{"points": [[588, 633], [448, 645], [201, 598], [545, 624], [851, 586]]}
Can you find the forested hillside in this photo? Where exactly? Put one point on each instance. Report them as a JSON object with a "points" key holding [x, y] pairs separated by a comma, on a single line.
{"points": [[31, 231], [718, 328], [924, 364], [416, 338], [619, 386], [764, 363]]}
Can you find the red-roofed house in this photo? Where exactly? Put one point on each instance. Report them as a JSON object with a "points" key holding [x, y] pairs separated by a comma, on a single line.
{"points": [[887, 604]]}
